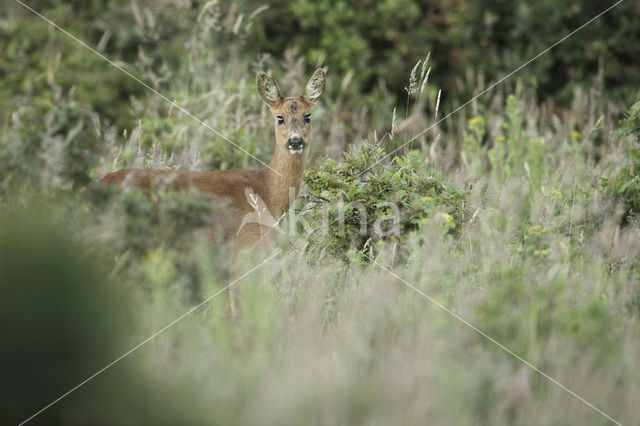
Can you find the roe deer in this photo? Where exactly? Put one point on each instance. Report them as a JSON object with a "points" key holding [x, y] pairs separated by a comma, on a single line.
{"points": [[273, 184]]}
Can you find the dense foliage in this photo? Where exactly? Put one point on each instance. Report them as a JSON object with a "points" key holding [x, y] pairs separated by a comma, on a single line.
{"points": [[624, 185], [381, 39], [362, 201], [367, 44]]}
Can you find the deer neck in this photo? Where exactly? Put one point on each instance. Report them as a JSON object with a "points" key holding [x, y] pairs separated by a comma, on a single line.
{"points": [[284, 178]]}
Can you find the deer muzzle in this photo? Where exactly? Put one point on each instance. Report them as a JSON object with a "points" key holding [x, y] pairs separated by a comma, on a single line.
{"points": [[296, 145]]}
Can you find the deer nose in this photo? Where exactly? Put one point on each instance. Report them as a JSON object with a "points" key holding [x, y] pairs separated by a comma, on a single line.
{"points": [[295, 144]]}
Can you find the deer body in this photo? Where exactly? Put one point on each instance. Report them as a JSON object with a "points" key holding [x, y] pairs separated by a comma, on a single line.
{"points": [[226, 185], [276, 185]]}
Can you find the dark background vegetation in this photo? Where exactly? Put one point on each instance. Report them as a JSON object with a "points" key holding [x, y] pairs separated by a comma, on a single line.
{"points": [[378, 41]]}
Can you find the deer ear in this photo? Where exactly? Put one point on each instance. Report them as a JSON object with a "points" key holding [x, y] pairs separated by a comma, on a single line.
{"points": [[315, 86], [269, 90]]}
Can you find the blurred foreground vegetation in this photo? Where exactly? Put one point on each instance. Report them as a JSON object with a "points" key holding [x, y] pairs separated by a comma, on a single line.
{"points": [[519, 213]]}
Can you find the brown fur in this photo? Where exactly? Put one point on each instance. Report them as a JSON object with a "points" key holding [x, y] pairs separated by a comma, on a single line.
{"points": [[230, 185]]}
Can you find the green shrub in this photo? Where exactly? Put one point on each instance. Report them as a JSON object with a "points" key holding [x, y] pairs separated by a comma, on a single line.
{"points": [[382, 39], [53, 140], [36, 58], [386, 203], [625, 185]]}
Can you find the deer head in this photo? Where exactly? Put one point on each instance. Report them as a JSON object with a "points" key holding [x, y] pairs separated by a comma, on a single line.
{"points": [[292, 115]]}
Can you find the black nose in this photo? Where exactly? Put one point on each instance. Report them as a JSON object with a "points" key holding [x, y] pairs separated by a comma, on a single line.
{"points": [[295, 143]]}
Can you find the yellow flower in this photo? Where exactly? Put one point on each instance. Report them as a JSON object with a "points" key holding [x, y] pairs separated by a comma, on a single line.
{"points": [[534, 229], [541, 253], [477, 120], [446, 219]]}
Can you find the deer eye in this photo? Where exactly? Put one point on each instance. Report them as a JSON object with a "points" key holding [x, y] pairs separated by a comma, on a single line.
{"points": [[307, 118], [280, 120]]}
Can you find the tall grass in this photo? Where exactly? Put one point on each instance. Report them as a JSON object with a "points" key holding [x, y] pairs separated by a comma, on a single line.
{"points": [[543, 262]]}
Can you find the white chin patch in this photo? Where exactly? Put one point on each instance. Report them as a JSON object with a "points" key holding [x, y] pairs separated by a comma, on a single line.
{"points": [[296, 151]]}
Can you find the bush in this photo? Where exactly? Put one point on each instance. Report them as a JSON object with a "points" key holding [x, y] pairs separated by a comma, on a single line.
{"points": [[52, 141], [383, 39], [625, 185], [387, 203], [35, 58]]}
